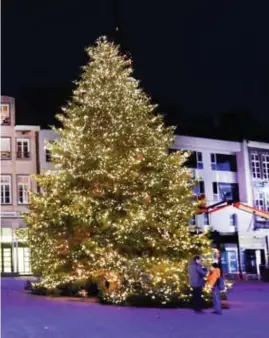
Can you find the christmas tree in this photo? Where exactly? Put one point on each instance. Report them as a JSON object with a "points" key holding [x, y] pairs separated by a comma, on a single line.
{"points": [[117, 207]]}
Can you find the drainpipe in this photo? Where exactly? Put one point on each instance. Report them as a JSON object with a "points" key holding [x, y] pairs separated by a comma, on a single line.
{"points": [[239, 253], [267, 249]]}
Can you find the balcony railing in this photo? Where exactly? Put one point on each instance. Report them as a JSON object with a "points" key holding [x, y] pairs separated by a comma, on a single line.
{"points": [[24, 154], [9, 214], [5, 155]]}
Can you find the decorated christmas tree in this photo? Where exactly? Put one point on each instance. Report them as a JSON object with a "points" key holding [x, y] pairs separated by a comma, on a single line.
{"points": [[117, 206]]}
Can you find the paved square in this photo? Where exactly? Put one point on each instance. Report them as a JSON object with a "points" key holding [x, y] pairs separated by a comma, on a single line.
{"points": [[27, 316]]}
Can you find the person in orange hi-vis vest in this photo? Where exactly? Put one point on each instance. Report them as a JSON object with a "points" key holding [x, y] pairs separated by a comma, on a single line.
{"points": [[212, 280]]}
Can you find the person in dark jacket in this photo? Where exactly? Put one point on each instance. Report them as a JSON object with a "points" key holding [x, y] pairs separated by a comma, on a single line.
{"points": [[197, 276]]}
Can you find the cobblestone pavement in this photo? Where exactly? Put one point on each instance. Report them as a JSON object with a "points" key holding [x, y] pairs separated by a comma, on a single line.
{"points": [[27, 316]]}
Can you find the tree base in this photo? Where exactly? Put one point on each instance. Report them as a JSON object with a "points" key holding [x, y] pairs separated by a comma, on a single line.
{"points": [[89, 292]]}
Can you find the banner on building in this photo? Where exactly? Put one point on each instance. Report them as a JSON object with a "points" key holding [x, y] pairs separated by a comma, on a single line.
{"points": [[252, 242]]}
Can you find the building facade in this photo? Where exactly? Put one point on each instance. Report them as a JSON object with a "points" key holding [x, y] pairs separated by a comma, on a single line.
{"points": [[233, 171], [19, 161], [227, 171]]}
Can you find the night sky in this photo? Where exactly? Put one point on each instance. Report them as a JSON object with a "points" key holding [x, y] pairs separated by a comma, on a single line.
{"points": [[198, 59]]}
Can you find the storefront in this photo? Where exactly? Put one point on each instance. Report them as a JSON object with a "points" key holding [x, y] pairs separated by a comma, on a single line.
{"points": [[15, 255], [243, 254], [253, 248]]}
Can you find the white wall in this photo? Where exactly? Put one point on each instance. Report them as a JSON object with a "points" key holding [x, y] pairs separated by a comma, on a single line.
{"points": [[220, 220], [251, 182], [244, 175]]}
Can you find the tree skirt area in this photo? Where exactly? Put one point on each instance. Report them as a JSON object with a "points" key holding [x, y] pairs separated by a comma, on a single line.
{"points": [[28, 316]]}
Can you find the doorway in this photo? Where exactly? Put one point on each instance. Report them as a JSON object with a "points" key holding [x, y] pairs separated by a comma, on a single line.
{"points": [[251, 261], [6, 259]]}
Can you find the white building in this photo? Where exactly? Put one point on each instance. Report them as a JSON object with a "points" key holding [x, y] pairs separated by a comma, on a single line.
{"points": [[236, 171]]}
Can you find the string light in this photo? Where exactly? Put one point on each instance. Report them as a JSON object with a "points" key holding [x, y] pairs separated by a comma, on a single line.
{"points": [[117, 206]]}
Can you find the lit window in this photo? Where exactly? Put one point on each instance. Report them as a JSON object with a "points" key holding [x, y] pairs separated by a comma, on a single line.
{"points": [[23, 188], [5, 189], [5, 148], [5, 114], [223, 162], [6, 263], [6, 235], [232, 261], [24, 260], [23, 148]]}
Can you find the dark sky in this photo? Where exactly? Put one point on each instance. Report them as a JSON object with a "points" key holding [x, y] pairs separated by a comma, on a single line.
{"points": [[199, 57]]}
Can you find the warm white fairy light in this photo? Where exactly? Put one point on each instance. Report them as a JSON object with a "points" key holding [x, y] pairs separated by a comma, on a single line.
{"points": [[118, 206]]}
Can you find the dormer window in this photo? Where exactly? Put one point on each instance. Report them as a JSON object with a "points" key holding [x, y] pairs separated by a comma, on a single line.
{"points": [[23, 148]]}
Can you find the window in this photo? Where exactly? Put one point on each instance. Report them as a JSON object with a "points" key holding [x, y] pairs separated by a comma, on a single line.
{"points": [[48, 155], [233, 220], [222, 162], [225, 191], [229, 261], [215, 191], [206, 219], [266, 202], [195, 160], [6, 235], [261, 200], [6, 260], [265, 165], [5, 189], [23, 188], [5, 115], [260, 165], [193, 220], [24, 260], [232, 261], [199, 158], [5, 148], [199, 188], [23, 148], [213, 162], [255, 165], [48, 152]]}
